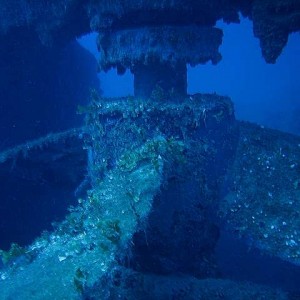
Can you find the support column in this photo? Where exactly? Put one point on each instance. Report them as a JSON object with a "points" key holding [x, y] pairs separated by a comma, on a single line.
{"points": [[150, 79]]}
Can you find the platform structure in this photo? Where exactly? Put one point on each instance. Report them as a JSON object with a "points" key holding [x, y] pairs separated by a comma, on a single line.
{"points": [[135, 149], [170, 165]]}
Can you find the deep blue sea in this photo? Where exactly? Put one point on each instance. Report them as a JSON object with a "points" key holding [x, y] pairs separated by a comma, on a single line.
{"points": [[149, 149]]}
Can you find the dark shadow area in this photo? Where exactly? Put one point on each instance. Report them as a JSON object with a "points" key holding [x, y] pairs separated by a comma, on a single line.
{"points": [[239, 261], [41, 87], [36, 190]]}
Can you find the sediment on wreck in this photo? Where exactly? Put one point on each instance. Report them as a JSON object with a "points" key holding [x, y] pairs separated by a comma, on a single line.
{"points": [[262, 202]]}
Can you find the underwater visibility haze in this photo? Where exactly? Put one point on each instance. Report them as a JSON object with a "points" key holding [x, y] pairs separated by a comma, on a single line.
{"points": [[150, 149]]}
